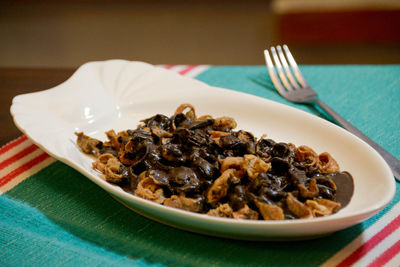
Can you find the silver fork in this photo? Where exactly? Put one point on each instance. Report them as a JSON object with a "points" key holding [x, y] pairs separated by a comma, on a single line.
{"points": [[299, 91]]}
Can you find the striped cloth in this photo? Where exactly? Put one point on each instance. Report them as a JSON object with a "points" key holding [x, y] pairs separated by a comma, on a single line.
{"points": [[52, 215]]}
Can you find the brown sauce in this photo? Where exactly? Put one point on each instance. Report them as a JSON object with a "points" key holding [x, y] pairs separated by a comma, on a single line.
{"points": [[203, 165], [345, 187]]}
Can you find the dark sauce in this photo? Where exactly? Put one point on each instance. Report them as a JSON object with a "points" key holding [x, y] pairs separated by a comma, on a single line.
{"points": [[345, 187], [184, 158]]}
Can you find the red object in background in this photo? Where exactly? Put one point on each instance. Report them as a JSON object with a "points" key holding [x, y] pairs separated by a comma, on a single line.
{"points": [[373, 26]]}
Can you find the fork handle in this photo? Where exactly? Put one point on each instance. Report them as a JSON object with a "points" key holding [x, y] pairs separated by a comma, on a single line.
{"points": [[393, 163]]}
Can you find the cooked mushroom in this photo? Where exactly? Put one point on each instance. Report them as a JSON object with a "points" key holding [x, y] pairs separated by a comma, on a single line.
{"points": [[204, 165]]}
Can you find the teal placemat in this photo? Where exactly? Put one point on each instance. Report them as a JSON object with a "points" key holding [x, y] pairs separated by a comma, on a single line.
{"points": [[367, 96], [57, 217]]}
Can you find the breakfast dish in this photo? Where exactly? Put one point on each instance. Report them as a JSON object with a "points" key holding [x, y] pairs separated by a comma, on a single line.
{"points": [[202, 164]]}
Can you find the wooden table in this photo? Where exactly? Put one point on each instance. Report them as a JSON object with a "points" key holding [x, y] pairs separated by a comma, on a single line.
{"points": [[14, 81]]}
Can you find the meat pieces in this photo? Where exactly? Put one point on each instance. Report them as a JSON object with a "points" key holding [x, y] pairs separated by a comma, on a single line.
{"points": [[327, 164], [255, 165], [201, 164], [220, 187], [270, 212], [149, 189], [250, 164], [224, 124], [110, 166], [223, 210], [87, 144], [307, 155], [309, 192], [191, 113], [184, 203], [322, 207], [298, 208]]}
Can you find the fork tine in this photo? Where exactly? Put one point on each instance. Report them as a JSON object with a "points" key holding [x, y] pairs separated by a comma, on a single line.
{"points": [[295, 68], [272, 73], [286, 68], [280, 70]]}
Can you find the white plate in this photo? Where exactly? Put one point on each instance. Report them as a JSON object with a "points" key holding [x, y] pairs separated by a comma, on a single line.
{"points": [[117, 94]]}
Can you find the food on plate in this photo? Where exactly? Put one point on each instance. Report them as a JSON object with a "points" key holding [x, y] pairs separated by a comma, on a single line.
{"points": [[202, 164]]}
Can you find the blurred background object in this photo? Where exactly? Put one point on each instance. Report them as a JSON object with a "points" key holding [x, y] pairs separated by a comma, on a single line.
{"points": [[340, 31], [65, 34]]}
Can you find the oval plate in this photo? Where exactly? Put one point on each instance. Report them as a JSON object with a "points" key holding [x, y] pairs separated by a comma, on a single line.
{"points": [[117, 94]]}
